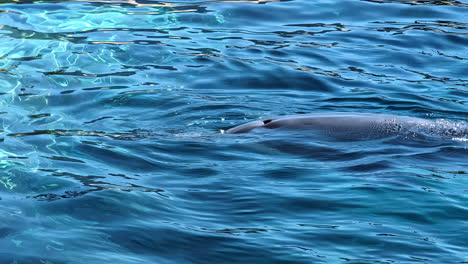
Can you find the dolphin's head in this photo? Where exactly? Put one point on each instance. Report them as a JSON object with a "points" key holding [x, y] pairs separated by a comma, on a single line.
{"points": [[248, 126]]}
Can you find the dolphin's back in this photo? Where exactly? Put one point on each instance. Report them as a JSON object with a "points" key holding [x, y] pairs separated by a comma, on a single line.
{"points": [[357, 125]]}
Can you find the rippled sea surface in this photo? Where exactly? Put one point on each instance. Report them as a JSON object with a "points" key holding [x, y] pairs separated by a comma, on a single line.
{"points": [[111, 150]]}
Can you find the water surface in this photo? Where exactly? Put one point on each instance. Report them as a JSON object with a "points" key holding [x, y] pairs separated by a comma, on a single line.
{"points": [[111, 150]]}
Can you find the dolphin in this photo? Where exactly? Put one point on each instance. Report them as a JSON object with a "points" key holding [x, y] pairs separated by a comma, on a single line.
{"points": [[355, 126]]}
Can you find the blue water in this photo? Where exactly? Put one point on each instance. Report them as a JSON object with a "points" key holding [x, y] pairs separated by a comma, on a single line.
{"points": [[111, 150]]}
